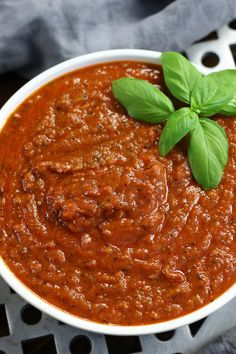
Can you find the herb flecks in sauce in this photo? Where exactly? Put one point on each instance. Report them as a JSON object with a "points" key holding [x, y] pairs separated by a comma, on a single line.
{"points": [[205, 95]]}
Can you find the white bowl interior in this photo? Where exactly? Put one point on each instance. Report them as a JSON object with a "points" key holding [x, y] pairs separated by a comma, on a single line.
{"points": [[16, 284]]}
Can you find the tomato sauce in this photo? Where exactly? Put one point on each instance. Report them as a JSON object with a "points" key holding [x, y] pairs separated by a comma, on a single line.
{"points": [[94, 221]]}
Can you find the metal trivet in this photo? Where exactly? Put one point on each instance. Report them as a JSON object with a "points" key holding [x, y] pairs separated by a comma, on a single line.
{"points": [[25, 330]]}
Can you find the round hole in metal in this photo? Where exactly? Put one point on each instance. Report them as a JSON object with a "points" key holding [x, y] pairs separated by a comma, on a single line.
{"points": [[30, 315], [165, 336], [210, 59], [232, 24], [80, 345]]}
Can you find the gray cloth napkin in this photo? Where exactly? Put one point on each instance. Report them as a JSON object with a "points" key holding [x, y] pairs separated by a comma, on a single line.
{"points": [[36, 34], [225, 344]]}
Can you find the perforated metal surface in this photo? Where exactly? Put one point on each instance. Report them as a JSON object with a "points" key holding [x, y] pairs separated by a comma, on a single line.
{"points": [[48, 336], [223, 46], [22, 334]]}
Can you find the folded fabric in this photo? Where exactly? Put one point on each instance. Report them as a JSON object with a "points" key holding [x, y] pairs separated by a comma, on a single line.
{"points": [[225, 344], [37, 34]]}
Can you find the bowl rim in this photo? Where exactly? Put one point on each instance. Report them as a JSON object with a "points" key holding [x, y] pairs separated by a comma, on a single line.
{"points": [[9, 107]]}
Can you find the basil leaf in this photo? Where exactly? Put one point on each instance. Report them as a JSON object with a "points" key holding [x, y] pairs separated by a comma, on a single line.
{"points": [[142, 100], [178, 125], [230, 108], [208, 152], [227, 77], [213, 92], [180, 75]]}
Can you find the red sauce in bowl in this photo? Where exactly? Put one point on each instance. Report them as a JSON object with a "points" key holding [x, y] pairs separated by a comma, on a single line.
{"points": [[94, 221]]}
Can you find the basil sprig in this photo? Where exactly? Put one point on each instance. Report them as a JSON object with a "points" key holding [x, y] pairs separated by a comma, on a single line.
{"points": [[205, 96]]}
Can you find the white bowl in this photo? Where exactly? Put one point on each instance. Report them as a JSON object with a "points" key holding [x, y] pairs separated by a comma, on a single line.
{"points": [[26, 293]]}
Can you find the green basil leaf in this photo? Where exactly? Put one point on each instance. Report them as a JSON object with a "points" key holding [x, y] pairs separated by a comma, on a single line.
{"points": [[230, 108], [142, 100], [180, 75], [208, 152], [213, 92], [227, 77], [178, 125]]}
